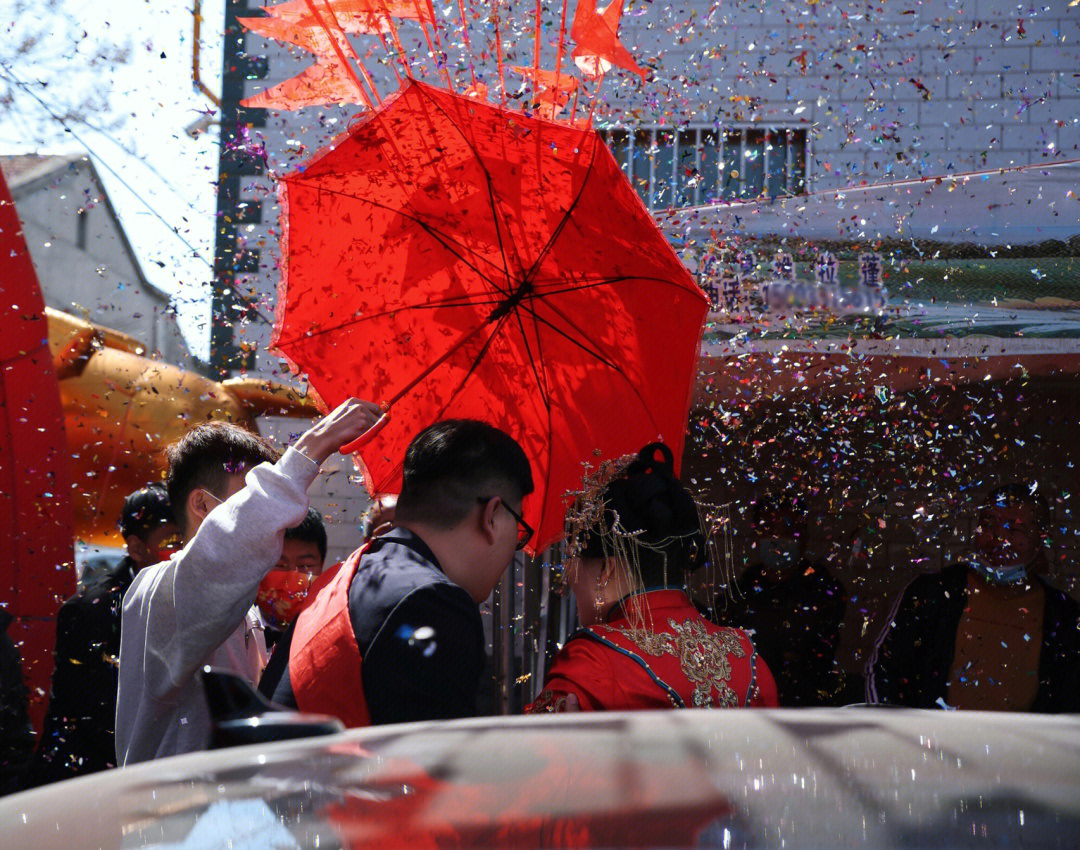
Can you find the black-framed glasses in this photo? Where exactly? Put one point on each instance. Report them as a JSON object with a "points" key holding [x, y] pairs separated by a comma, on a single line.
{"points": [[525, 531]]}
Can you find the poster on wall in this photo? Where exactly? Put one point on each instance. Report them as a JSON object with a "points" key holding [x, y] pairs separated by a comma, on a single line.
{"points": [[920, 264]]}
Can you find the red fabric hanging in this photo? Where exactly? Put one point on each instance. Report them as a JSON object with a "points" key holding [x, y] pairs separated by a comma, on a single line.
{"points": [[597, 38]]}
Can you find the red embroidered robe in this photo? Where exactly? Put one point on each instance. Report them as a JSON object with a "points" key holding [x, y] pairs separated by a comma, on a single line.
{"points": [[677, 660]]}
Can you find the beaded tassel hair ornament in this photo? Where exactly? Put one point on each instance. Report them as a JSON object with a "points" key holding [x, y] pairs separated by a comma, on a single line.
{"points": [[634, 510]]}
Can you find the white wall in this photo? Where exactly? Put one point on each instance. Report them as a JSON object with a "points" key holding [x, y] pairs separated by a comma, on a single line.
{"points": [[100, 281]]}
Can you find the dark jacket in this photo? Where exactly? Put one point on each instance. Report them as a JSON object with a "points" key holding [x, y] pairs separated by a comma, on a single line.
{"points": [[795, 625], [78, 736], [911, 661], [16, 732], [420, 637]]}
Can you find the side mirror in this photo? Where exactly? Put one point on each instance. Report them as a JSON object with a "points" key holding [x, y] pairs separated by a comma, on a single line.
{"points": [[241, 715]]}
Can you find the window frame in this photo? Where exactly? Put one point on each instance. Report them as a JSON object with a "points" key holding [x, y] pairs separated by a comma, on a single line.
{"points": [[795, 181]]}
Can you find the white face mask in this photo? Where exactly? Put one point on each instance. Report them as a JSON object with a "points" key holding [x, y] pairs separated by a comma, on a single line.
{"points": [[1003, 575], [778, 553]]}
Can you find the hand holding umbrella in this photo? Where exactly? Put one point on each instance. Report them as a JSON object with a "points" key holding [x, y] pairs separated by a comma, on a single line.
{"points": [[352, 422]]}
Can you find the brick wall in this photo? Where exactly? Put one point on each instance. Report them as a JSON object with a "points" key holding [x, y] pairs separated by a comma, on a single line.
{"points": [[887, 89], [337, 493]]}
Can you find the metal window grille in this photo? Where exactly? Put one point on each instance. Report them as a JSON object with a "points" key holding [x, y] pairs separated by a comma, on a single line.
{"points": [[689, 166]]}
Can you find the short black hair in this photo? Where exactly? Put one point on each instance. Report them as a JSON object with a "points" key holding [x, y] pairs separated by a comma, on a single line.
{"points": [[450, 464], [650, 501], [310, 530], [1021, 493], [207, 455], [145, 510]]}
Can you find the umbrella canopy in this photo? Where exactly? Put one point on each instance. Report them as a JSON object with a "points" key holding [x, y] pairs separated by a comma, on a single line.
{"points": [[457, 259]]}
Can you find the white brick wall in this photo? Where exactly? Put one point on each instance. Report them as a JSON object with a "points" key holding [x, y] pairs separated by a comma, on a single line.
{"points": [[337, 493]]}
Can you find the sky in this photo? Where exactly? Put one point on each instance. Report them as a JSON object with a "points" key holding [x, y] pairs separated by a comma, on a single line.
{"points": [[56, 56]]}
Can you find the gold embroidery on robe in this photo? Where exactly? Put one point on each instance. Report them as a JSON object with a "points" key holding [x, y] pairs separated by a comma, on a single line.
{"points": [[548, 702], [704, 657]]}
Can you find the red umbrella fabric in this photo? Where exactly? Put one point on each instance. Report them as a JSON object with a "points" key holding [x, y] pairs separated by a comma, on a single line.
{"points": [[457, 259]]}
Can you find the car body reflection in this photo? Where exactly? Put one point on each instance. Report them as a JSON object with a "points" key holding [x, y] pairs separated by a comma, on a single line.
{"points": [[729, 779]]}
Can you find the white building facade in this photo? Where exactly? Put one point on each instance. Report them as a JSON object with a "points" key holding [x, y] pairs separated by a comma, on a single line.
{"points": [[84, 262]]}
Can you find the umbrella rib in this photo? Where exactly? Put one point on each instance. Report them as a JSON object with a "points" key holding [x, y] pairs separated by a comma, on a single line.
{"points": [[476, 362], [615, 368], [466, 301], [545, 395], [457, 301], [598, 355], [496, 215], [542, 385], [443, 239], [566, 217], [604, 282]]}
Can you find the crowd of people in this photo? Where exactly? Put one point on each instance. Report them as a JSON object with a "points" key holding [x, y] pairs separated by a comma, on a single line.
{"points": [[225, 567]]}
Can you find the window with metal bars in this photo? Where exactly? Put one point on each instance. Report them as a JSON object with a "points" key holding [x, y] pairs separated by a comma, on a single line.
{"points": [[689, 166]]}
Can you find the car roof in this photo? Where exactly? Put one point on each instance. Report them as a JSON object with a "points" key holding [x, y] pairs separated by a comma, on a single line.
{"points": [[870, 777]]}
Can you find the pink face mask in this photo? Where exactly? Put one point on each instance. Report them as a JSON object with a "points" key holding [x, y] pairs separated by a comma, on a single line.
{"points": [[281, 594]]}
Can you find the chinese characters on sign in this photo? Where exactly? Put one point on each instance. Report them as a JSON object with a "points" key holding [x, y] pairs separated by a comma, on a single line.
{"points": [[730, 281]]}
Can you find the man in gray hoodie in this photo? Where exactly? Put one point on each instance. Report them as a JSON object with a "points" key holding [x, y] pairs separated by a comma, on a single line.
{"points": [[234, 497]]}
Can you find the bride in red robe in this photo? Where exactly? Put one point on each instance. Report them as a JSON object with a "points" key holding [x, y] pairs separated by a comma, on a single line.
{"points": [[632, 533]]}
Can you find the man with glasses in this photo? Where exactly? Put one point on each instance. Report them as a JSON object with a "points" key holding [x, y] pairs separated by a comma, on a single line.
{"points": [[988, 633], [394, 634]]}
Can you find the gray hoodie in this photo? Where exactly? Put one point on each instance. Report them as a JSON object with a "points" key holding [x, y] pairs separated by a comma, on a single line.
{"points": [[196, 609]]}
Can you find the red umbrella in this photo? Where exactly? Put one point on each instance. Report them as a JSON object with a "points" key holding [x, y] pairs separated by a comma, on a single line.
{"points": [[457, 259]]}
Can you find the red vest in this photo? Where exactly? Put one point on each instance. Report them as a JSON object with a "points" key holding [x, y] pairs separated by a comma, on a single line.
{"points": [[324, 659]]}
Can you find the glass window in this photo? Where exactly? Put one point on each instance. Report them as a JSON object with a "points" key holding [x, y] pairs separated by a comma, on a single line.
{"points": [[703, 165], [664, 171], [753, 181], [687, 172], [641, 167], [619, 142], [709, 158]]}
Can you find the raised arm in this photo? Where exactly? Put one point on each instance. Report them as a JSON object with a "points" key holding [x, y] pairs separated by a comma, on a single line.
{"points": [[186, 607]]}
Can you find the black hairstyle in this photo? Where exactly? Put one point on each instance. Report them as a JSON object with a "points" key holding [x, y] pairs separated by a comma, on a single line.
{"points": [[206, 456], [1021, 493], [145, 510], [450, 464], [649, 499], [310, 530]]}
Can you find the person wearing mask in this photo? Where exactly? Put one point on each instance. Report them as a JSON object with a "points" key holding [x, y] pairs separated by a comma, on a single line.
{"points": [[78, 734], [792, 607], [234, 496], [987, 633], [283, 591], [633, 534]]}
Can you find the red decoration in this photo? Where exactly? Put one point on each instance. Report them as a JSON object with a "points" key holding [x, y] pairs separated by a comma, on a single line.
{"points": [[37, 570], [456, 259], [597, 38], [552, 90], [327, 81], [355, 16]]}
